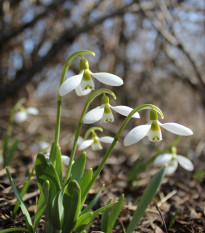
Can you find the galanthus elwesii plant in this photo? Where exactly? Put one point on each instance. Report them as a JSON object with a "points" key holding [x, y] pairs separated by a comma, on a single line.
{"points": [[66, 208]]}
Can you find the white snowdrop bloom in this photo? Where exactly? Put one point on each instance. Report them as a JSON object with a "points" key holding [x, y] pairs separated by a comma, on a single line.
{"points": [[95, 142], [22, 115], [83, 83], [32, 111], [104, 112], [172, 161], [153, 132]]}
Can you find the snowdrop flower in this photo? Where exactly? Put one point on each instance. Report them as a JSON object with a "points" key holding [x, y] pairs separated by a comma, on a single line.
{"points": [[153, 131], [172, 161], [95, 142], [39, 146], [22, 115], [83, 83], [104, 112]]}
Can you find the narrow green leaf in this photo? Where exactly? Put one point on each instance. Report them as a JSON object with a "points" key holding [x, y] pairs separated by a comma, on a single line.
{"points": [[93, 202], [23, 207], [105, 219], [22, 193], [42, 203], [71, 204], [57, 210], [82, 221], [115, 213], [55, 155], [10, 153], [45, 171], [146, 199], [95, 213], [84, 182], [78, 167]]}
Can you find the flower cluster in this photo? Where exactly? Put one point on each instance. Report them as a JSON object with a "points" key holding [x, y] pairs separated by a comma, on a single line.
{"points": [[83, 85]]}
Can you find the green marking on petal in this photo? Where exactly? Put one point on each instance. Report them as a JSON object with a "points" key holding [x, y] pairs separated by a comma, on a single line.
{"points": [[107, 109], [155, 126], [86, 76]]}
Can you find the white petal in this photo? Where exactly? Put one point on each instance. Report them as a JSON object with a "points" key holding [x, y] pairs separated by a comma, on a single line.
{"points": [[154, 136], [171, 168], [96, 145], [32, 111], [125, 111], [185, 163], [106, 139], [20, 116], [94, 115], [70, 84], [85, 144], [163, 159], [107, 117], [108, 79], [87, 85], [177, 129], [65, 159], [136, 134], [80, 92], [43, 145]]}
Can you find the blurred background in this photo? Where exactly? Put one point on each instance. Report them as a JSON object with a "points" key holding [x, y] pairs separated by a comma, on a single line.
{"points": [[157, 47]]}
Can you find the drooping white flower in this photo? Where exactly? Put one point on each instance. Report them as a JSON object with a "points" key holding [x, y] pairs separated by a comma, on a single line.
{"points": [[95, 142], [22, 115], [104, 112], [153, 131], [83, 83], [172, 161]]}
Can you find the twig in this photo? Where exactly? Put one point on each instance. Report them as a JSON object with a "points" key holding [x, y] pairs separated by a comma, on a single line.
{"points": [[162, 218]]}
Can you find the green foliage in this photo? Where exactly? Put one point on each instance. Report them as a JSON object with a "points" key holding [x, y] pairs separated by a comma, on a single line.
{"points": [[42, 204], [78, 167], [23, 207], [55, 158], [108, 219], [146, 199], [71, 204], [199, 174]]}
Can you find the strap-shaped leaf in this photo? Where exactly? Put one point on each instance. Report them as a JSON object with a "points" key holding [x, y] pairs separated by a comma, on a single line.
{"points": [[71, 204], [105, 218], [93, 202], [115, 213], [95, 213], [55, 158], [78, 167], [22, 193], [84, 182], [146, 199], [10, 153], [57, 210], [42, 204], [45, 171], [23, 207], [82, 221]]}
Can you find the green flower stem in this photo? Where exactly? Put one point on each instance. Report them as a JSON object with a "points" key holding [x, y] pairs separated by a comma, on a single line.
{"points": [[66, 66], [9, 129], [14, 229], [92, 129], [77, 134], [137, 109]]}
